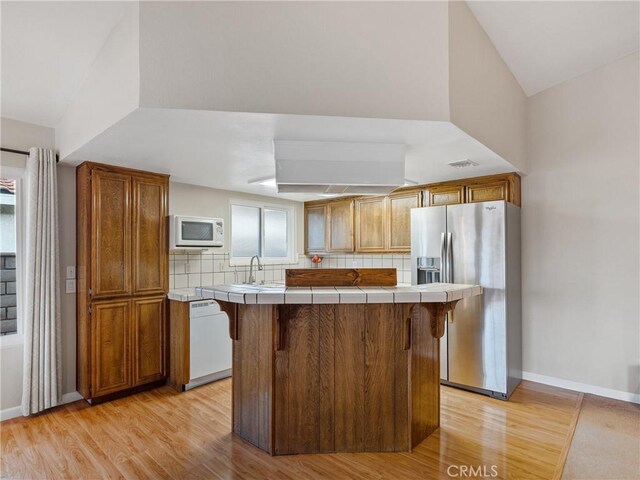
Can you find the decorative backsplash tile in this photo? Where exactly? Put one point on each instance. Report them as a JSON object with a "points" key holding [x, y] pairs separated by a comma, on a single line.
{"points": [[204, 269]]}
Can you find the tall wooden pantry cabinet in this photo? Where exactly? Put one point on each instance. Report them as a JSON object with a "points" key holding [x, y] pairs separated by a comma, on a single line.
{"points": [[122, 270]]}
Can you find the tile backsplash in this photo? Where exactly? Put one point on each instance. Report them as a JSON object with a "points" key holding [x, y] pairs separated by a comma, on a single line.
{"points": [[203, 269]]}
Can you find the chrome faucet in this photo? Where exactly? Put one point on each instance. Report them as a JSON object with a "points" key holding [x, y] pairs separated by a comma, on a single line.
{"points": [[252, 279]]}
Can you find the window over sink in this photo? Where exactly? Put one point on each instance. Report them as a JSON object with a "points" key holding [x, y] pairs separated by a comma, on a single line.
{"points": [[264, 230]]}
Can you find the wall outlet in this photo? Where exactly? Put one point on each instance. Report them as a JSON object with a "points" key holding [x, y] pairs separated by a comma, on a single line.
{"points": [[71, 272], [70, 286], [354, 264], [187, 268]]}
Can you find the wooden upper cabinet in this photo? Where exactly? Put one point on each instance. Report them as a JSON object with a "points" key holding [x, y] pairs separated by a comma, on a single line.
{"points": [[149, 340], [111, 232], [340, 224], [399, 207], [371, 224], [110, 346], [150, 248], [444, 195], [383, 224], [315, 228], [484, 192]]}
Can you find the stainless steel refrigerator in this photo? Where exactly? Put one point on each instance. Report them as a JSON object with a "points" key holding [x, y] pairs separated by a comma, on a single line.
{"points": [[475, 243]]}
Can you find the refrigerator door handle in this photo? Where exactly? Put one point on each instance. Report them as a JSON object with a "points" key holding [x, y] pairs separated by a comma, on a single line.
{"points": [[443, 269], [449, 258]]}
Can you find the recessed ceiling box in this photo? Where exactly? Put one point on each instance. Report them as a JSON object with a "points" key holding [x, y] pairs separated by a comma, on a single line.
{"points": [[338, 167]]}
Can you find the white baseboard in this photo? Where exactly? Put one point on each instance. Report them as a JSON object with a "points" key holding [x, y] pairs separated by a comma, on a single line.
{"points": [[582, 387], [8, 413], [14, 412], [71, 397]]}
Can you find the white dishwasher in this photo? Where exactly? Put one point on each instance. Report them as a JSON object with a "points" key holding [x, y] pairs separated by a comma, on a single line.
{"points": [[209, 343]]}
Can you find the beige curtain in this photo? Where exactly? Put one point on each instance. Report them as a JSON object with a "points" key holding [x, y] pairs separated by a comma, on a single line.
{"points": [[42, 386]]}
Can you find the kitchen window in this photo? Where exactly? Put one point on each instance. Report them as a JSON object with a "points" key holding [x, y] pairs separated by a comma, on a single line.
{"points": [[11, 238], [264, 230]]}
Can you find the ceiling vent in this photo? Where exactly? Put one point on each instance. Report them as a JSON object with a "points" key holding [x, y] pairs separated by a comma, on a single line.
{"points": [[463, 164], [338, 167]]}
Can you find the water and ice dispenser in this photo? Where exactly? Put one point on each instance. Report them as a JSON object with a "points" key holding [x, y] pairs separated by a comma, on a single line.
{"points": [[428, 270]]}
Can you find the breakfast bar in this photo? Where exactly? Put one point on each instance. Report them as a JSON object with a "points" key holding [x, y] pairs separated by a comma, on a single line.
{"points": [[344, 369]]}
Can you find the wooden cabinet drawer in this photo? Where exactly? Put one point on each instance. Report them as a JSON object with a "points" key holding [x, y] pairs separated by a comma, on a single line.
{"points": [[445, 195], [484, 192]]}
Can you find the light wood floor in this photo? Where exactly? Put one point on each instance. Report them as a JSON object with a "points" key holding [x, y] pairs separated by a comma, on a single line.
{"points": [[162, 434]]}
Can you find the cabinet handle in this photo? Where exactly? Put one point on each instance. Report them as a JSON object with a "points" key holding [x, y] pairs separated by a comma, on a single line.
{"points": [[449, 258], [443, 259], [281, 331], [407, 335]]}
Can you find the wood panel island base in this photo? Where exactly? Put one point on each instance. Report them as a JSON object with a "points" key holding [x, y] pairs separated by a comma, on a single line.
{"points": [[321, 370]]}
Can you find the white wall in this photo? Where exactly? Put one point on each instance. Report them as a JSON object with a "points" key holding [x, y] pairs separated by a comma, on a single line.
{"points": [[111, 89], [353, 59], [198, 201], [580, 230], [486, 100], [22, 136]]}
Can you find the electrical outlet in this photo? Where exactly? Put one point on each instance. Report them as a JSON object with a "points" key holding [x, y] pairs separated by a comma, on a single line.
{"points": [[354, 264], [187, 268], [71, 272], [70, 286]]}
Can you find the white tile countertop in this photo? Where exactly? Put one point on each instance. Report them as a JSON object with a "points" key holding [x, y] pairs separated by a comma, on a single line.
{"points": [[278, 294], [186, 295]]}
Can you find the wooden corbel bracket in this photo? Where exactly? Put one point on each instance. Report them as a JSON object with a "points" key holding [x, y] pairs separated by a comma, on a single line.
{"points": [[438, 312], [231, 309]]}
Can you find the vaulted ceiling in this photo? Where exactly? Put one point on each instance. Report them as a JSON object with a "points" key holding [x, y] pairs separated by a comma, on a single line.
{"points": [[48, 47], [47, 51], [201, 89], [545, 43]]}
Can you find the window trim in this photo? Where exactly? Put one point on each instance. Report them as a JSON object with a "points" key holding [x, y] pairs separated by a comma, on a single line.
{"points": [[19, 175], [291, 257]]}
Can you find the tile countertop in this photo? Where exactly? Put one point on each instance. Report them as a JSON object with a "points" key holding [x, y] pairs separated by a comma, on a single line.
{"points": [[433, 292], [187, 295]]}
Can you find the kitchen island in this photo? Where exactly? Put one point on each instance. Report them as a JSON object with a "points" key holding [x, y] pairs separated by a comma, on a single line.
{"points": [[344, 369]]}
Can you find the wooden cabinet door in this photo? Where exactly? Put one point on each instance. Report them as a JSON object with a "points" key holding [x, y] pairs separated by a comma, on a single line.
{"points": [[150, 248], [340, 222], [110, 347], [484, 192], [371, 224], [399, 207], [110, 234], [315, 228], [149, 340], [445, 195]]}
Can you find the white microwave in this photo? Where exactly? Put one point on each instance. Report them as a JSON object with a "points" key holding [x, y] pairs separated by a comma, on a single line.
{"points": [[195, 232]]}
